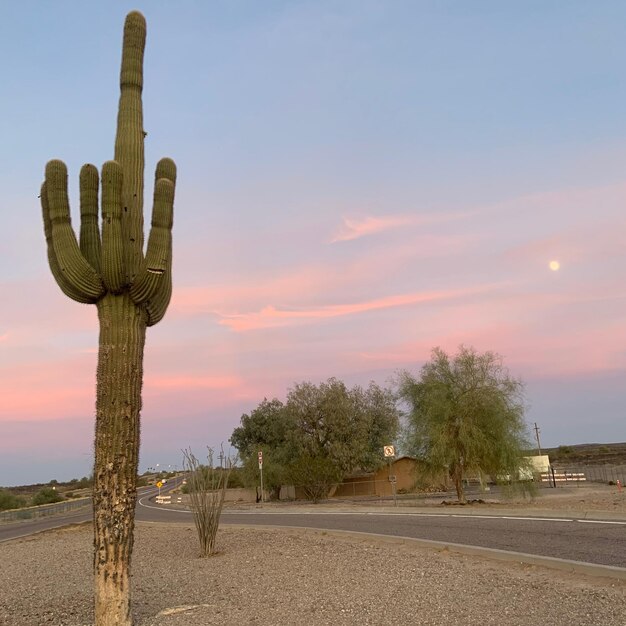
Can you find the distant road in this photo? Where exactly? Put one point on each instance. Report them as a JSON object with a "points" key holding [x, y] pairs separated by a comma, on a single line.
{"points": [[591, 541]]}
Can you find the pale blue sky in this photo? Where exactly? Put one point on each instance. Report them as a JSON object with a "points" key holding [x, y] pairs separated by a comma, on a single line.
{"points": [[358, 182]]}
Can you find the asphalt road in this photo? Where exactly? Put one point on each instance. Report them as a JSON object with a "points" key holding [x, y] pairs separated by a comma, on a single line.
{"points": [[599, 542]]}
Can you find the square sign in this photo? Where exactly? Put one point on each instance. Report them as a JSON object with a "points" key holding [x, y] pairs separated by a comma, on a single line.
{"points": [[389, 451]]}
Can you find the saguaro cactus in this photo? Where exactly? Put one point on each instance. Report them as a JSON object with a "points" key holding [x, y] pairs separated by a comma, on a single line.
{"points": [[131, 291]]}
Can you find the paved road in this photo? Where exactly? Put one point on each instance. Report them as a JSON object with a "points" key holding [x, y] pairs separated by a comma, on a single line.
{"points": [[599, 542]]}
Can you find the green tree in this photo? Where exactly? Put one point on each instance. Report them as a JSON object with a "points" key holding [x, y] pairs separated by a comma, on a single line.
{"points": [[319, 435], [265, 429], [131, 289], [466, 414], [347, 426]]}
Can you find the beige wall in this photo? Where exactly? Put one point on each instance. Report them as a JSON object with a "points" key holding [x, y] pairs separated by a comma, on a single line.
{"points": [[377, 484]]}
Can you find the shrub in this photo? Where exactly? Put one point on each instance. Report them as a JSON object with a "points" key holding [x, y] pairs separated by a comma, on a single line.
{"points": [[46, 496], [9, 501], [236, 479], [207, 488]]}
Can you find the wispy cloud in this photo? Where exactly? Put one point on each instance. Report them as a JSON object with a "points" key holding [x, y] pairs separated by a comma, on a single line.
{"points": [[271, 316], [355, 228]]}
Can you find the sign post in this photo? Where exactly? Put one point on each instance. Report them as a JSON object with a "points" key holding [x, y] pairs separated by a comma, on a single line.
{"points": [[261, 471], [390, 453], [159, 485]]}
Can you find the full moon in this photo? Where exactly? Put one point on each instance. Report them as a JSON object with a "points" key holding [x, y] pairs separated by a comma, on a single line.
{"points": [[554, 265]]}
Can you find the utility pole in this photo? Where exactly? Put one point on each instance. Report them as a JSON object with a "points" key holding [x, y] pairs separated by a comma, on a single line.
{"points": [[536, 429]]}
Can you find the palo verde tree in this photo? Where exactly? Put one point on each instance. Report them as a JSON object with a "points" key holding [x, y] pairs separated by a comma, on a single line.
{"points": [[131, 290], [466, 415]]}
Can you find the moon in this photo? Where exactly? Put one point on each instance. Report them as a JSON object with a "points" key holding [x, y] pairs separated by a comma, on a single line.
{"points": [[554, 266]]}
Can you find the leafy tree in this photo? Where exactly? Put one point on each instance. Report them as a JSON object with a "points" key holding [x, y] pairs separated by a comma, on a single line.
{"points": [[267, 425], [466, 415], [264, 429], [350, 427], [316, 475], [322, 432]]}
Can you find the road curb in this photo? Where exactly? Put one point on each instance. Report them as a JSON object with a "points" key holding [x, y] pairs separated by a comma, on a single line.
{"points": [[563, 565]]}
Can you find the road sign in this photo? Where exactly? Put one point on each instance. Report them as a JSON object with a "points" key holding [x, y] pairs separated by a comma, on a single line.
{"points": [[260, 459], [159, 484], [389, 451]]}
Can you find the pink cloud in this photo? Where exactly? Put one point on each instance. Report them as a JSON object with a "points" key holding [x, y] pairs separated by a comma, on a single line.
{"points": [[361, 227], [354, 228], [271, 316], [311, 284]]}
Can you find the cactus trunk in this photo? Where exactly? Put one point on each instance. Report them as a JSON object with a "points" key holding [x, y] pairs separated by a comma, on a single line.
{"points": [[107, 267], [118, 404]]}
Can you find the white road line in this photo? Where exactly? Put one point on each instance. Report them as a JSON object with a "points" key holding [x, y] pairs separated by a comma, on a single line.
{"points": [[539, 519], [399, 514], [478, 516]]}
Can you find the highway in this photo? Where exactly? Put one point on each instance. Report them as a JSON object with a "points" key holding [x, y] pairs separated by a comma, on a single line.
{"points": [[585, 540]]}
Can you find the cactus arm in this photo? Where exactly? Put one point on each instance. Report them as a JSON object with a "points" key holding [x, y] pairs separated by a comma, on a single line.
{"points": [[77, 271], [66, 287], [112, 250], [166, 168], [159, 250], [89, 230], [157, 258], [129, 151], [156, 306]]}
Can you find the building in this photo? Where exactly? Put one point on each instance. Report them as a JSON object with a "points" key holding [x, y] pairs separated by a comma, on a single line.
{"points": [[403, 470]]}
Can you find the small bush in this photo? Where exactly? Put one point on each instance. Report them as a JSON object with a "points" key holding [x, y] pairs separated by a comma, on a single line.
{"points": [[9, 501], [236, 479], [46, 496], [84, 482]]}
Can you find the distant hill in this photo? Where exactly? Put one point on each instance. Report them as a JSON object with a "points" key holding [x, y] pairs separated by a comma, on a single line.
{"points": [[588, 454]]}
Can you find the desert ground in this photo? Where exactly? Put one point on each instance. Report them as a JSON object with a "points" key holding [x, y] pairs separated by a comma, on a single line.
{"points": [[294, 577]]}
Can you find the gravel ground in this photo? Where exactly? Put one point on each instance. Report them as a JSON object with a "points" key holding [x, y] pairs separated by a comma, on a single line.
{"points": [[295, 577]]}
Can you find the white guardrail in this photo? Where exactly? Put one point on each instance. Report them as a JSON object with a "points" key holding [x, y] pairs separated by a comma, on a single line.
{"points": [[44, 510]]}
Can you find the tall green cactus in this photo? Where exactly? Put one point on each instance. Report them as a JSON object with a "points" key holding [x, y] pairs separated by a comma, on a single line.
{"points": [[131, 291]]}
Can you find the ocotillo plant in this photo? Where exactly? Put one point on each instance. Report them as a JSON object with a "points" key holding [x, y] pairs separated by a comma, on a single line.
{"points": [[131, 291]]}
